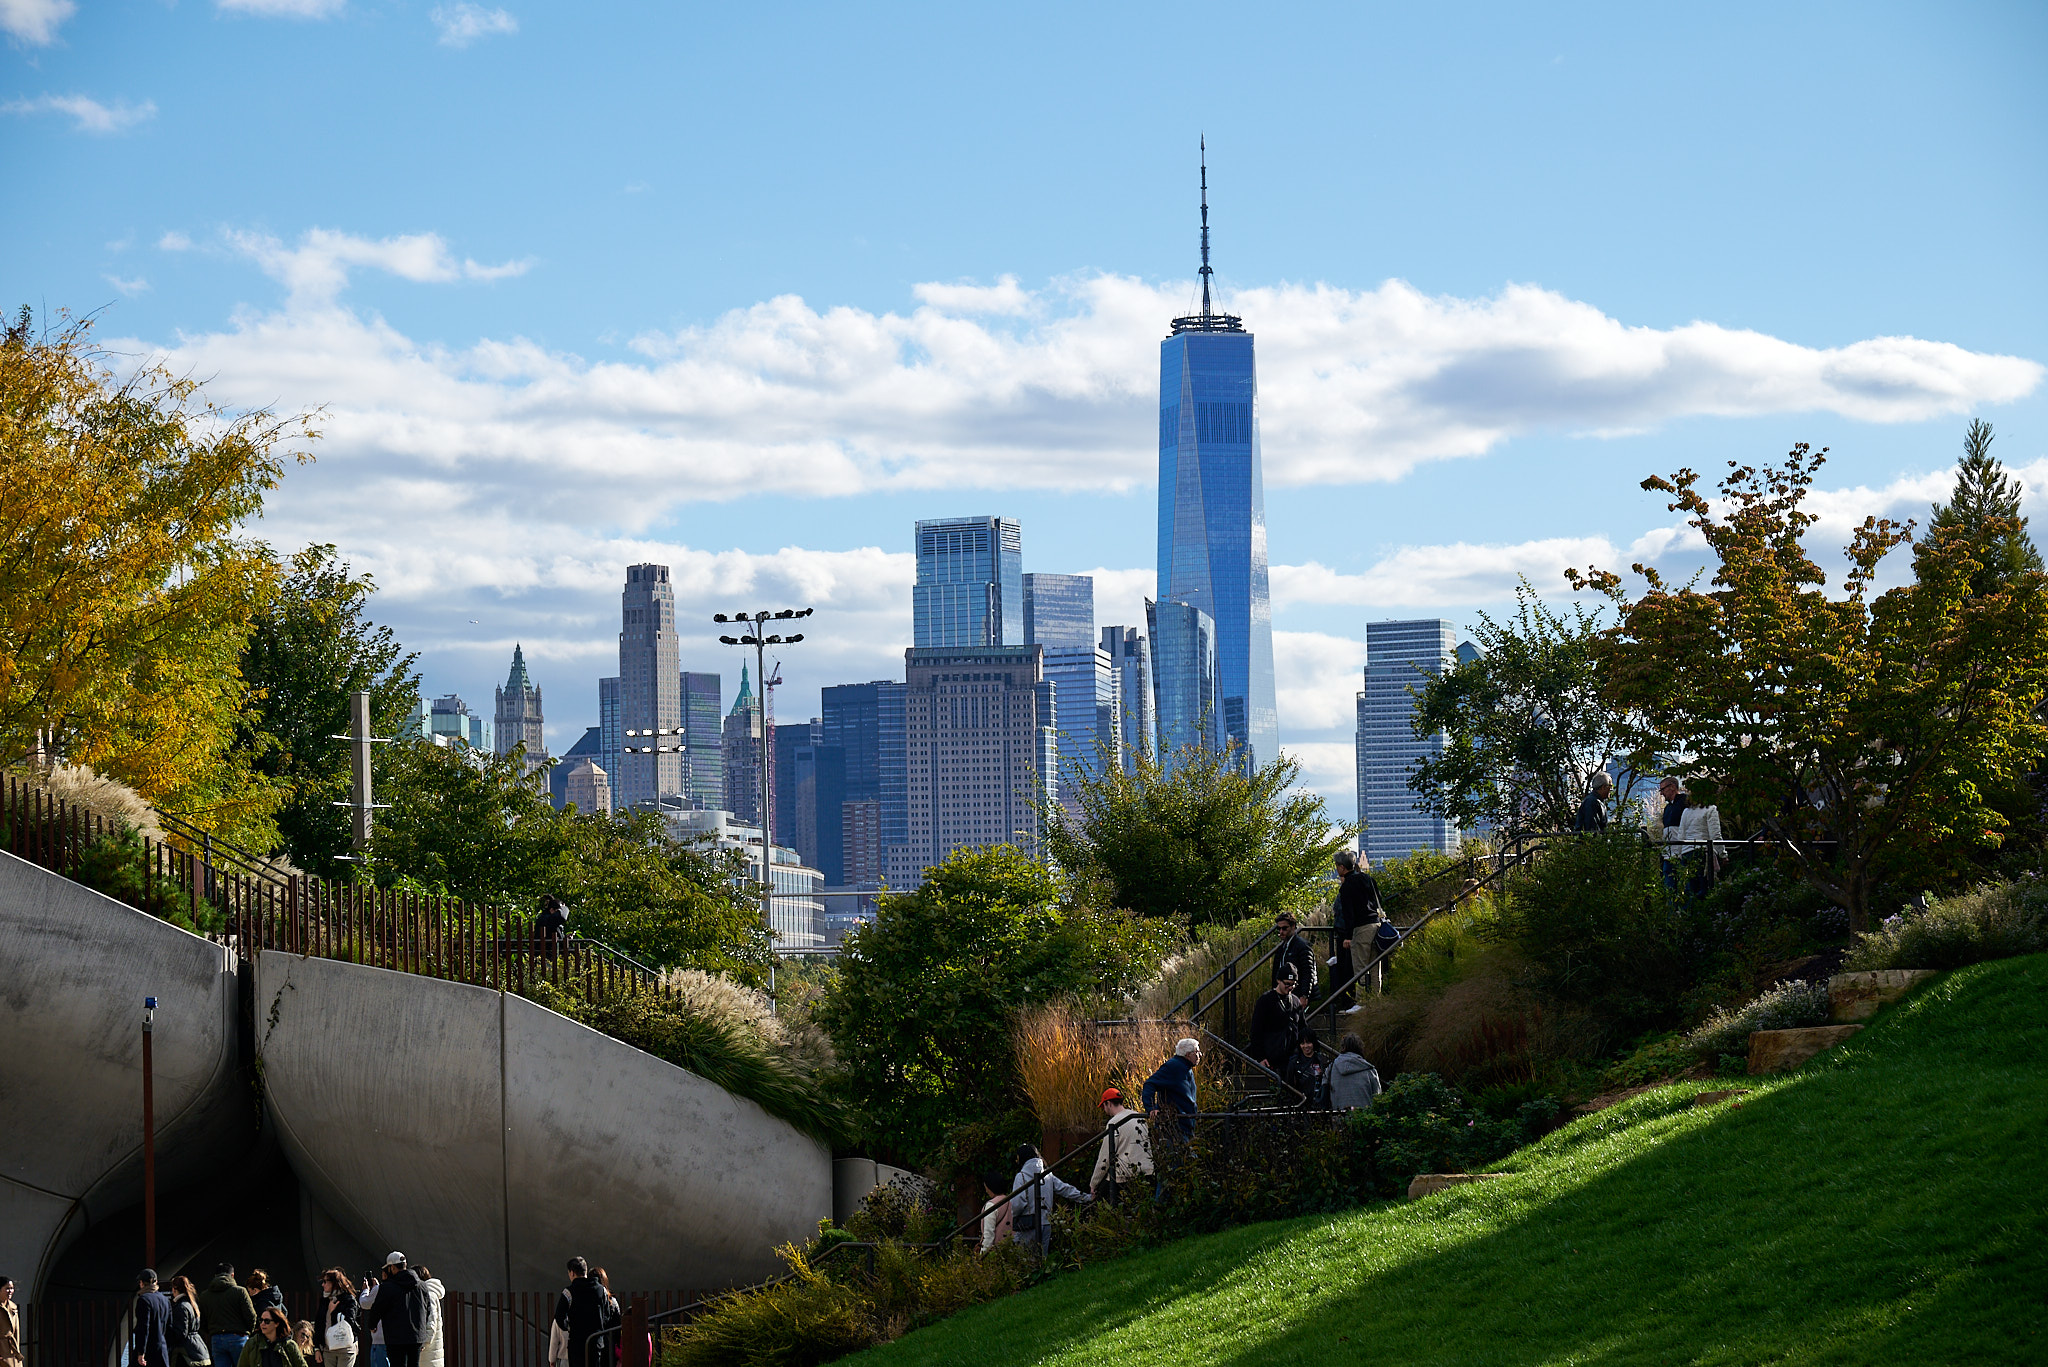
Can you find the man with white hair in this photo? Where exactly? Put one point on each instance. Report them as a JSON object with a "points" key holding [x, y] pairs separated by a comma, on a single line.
{"points": [[1174, 1085]]}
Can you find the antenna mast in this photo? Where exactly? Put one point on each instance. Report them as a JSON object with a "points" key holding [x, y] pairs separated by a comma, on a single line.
{"points": [[1205, 226], [1208, 320]]}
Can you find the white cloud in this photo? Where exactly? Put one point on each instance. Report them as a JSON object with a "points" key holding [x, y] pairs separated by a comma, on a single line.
{"points": [[463, 24], [317, 269], [284, 9], [34, 22], [128, 287], [174, 241], [90, 115], [1005, 297]]}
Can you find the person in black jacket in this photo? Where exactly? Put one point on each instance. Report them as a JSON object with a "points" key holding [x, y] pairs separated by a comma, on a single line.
{"points": [[1277, 1019], [149, 1343], [1358, 918], [585, 1309], [1294, 953], [402, 1310], [338, 1306], [1592, 817]]}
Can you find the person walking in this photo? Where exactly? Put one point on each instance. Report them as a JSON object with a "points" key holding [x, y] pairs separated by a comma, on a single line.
{"points": [[188, 1345], [1294, 952], [1277, 1019], [402, 1310], [10, 1325], [1592, 817], [1126, 1151], [435, 1354], [149, 1337], [273, 1344], [262, 1294], [1354, 1082], [1173, 1084], [337, 1306], [226, 1314], [584, 1309], [366, 1333], [1358, 919], [995, 1210], [1033, 1193]]}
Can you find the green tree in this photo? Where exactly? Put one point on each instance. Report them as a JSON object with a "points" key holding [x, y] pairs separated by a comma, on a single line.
{"points": [[921, 1012], [1861, 730], [1984, 511], [472, 825], [1526, 724], [1196, 840], [311, 646]]}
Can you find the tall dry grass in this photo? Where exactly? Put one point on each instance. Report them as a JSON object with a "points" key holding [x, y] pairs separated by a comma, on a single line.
{"points": [[107, 798], [1065, 1060]]}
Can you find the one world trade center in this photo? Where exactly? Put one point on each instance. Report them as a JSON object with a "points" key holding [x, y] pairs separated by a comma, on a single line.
{"points": [[1212, 527]]}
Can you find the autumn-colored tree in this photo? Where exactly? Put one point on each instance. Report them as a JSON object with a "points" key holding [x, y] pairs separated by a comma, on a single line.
{"points": [[1860, 730], [125, 592]]}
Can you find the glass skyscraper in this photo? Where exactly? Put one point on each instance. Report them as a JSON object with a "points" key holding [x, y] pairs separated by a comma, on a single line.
{"points": [[1185, 679], [1400, 657], [1212, 511], [703, 739], [1059, 611], [970, 584], [1130, 656]]}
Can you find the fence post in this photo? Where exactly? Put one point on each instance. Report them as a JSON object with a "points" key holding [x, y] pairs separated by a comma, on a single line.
{"points": [[634, 1351]]}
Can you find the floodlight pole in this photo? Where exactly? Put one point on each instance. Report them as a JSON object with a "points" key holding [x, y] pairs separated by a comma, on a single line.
{"points": [[148, 1132]]}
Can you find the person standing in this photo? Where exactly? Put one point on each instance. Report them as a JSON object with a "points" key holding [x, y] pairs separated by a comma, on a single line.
{"points": [[995, 1210], [1354, 1082], [1358, 919], [10, 1325], [149, 1340], [551, 927], [337, 1306], [1173, 1084], [262, 1294], [1592, 817], [435, 1354], [583, 1310], [402, 1310], [1304, 1071], [273, 1344], [226, 1314], [1277, 1021], [1033, 1192], [188, 1345], [1294, 953], [1126, 1151]]}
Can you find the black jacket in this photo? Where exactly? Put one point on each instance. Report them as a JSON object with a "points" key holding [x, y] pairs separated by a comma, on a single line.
{"points": [[584, 1309], [1294, 950], [402, 1310], [1358, 903], [1592, 816], [150, 1341], [269, 1298], [343, 1309], [1276, 1028]]}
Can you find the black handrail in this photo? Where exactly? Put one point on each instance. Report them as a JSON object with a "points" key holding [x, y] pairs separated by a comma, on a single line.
{"points": [[1196, 995]]}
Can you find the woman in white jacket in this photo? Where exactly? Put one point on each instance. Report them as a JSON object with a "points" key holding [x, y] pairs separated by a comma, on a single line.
{"points": [[1694, 840], [1032, 1194], [434, 1352]]}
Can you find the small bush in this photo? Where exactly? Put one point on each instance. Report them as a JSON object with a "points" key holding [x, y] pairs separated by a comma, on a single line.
{"points": [[1785, 1007], [1422, 1124], [1996, 921], [1657, 1058], [117, 865], [1242, 1169]]}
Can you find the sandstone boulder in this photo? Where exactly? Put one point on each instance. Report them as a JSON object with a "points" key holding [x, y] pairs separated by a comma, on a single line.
{"points": [[1430, 1183], [1777, 1051], [1714, 1098], [1858, 996]]}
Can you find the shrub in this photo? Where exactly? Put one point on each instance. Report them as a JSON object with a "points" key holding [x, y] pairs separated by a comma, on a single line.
{"points": [[117, 865], [1422, 1124], [1996, 921], [1784, 1007], [1242, 1168], [1660, 1056]]}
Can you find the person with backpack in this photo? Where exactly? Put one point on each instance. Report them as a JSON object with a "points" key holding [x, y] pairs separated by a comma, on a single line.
{"points": [[1126, 1151], [995, 1210], [1033, 1192], [1354, 1082], [403, 1311], [1357, 919], [583, 1310]]}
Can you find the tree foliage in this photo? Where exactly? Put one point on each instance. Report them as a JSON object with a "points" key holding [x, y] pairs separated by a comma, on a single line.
{"points": [[1861, 730], [1526, 725], [309, 648], [125, 594], [922, 1012], [473, 825], [1196, 840]]}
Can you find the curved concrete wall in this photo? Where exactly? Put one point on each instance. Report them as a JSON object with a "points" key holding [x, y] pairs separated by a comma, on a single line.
{"points": [[74, 969], [492, 1139]]}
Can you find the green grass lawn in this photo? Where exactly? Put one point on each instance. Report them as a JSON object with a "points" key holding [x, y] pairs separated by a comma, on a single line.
{"points": [[1887, 1204]]}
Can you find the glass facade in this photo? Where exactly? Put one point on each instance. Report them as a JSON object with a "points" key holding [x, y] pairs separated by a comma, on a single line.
{"points": [[970, 584], [703, 738], [1130, 655], [1399, 658], [1059, 611], [1084, 714], [978, 738], [1185, 678], [611, 735], [1212, 520], [650, 694], [864, 721]]}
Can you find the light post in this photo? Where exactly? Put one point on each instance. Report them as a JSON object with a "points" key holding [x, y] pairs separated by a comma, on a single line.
{"points": [[758, 637], [148, 1133]]}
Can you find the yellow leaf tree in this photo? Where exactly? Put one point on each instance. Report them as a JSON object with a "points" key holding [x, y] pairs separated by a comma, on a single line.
{"points": [[126, 590]]}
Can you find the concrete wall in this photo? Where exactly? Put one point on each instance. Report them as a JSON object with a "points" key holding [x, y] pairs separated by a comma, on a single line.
{"points": [[491, 1139], [74, 969]]}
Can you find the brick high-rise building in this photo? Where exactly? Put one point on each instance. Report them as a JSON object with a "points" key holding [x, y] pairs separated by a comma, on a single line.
{"points": [[978, 739]]}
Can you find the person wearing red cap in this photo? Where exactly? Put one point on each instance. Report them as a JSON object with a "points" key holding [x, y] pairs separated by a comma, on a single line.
{"points": [[1126, 1149]]}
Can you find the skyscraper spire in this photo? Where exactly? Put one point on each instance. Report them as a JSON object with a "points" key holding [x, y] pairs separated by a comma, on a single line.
{"points": [[1206, 272]]}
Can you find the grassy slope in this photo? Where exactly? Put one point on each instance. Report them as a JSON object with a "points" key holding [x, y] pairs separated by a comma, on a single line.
{"points": [[1886, 1204]]}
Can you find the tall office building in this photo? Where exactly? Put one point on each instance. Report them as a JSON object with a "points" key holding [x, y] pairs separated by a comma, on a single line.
{"points": [[650, 697], [516, 718], [1059, 611], [1086, 725], [1212, 509], [611, 733], [1400, 657], [703, 738], [810, 790], [1186, 679], [741, 760], [1130, 656], [978, 743], [447, 720], [970, 583], [864, 722]]}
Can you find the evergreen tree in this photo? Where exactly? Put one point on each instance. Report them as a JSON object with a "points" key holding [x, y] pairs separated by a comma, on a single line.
{"points": [[1985, 510]]}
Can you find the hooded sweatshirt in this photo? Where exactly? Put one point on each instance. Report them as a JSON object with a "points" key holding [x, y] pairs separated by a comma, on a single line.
{"points": [[1354, 1082]]}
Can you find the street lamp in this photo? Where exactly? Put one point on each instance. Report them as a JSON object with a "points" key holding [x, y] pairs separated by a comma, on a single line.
{"points": [[148, 1132], [757, 636]]}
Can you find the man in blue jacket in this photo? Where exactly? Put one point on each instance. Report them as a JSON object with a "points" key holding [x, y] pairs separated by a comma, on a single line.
{"points": [[1174, 1085], [149, 1343]]}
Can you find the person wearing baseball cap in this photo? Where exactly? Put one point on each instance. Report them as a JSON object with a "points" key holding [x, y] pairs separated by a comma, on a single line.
{"points": [[149, 1342], [1126, 1148], [403, 1310]]}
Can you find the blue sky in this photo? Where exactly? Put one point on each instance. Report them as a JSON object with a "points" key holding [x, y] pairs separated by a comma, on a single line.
{"points": [[748, 289]]}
